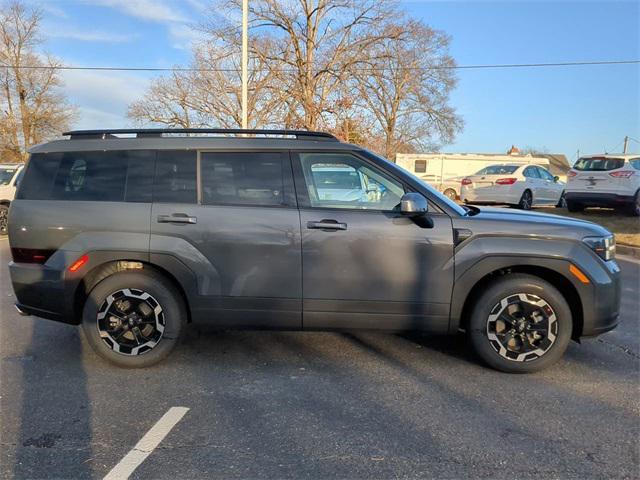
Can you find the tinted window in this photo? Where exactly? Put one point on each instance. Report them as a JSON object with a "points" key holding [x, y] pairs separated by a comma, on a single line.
{"points": [[531, 172], [89, 176], [242, 178], [596, 164], [344, 181], [635, 163], [498, 170], [175, 177]]}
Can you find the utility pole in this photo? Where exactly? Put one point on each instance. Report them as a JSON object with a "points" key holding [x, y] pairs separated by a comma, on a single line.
{"points": [[245, 61], [626, 142]]}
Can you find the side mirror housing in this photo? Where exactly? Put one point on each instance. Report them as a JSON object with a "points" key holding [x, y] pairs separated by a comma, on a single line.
{"points": [[413, 204], [556, 179]]}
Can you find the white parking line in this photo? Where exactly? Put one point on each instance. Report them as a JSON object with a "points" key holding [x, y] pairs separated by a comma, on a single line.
{"points": [[147, 444]]}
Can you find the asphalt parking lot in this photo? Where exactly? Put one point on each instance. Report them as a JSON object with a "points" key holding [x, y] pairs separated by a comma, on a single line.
{"points": [[318, 405]]}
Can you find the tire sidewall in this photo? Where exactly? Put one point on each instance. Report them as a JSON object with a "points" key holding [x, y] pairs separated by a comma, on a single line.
{"points": [[521, 204], [158, 288], [504, 288]]}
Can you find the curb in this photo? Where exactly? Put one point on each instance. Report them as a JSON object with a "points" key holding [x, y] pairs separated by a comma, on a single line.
{"points": [[628, 250]]}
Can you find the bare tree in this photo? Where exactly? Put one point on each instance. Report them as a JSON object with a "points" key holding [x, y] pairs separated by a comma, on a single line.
{"points": [[406, 88], [321, 43], [32, 107], [357, 68], [210, 94]]}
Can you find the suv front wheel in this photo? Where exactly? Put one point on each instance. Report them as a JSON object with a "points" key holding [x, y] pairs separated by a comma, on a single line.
{"points": [[520, 324], [134, 319]]}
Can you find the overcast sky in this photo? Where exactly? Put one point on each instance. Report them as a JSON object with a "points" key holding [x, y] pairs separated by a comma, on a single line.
{"points": [[563, 109]]}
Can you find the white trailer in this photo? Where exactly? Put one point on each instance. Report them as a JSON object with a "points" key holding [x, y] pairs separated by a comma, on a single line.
{"points": [[445, 171]]}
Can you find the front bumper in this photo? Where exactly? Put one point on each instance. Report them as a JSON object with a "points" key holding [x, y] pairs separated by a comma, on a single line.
{"points": [[601, 302], [599, 199]]}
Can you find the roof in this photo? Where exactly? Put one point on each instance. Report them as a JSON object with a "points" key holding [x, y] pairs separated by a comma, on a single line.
{"points": [[626, 156]]}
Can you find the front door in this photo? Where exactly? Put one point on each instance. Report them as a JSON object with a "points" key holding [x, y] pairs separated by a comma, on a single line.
{"points": [[365, 265], [237, 229]]}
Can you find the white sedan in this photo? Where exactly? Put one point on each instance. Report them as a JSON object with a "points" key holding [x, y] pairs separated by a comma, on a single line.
{"points": [[520, 185]]}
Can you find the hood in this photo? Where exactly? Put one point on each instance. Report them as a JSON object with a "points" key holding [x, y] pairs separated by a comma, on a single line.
{"points": [[507, 221]]}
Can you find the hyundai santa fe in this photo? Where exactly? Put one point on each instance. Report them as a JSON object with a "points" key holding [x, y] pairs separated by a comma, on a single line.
{"points": [[134, 234]]}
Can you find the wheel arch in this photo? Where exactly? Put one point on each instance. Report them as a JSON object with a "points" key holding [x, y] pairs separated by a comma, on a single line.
{"points": [[475, 282], [104, 270]]}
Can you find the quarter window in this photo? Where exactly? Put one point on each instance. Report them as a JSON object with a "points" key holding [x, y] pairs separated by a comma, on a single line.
{"points": [[345, 181], [242, 178]]}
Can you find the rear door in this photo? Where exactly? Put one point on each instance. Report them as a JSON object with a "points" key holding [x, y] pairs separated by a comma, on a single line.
{"points": [[535, 184], [364, 265], [231, 217]]}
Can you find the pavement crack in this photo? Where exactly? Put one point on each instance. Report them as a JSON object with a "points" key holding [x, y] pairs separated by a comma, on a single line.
{"points": [[624, 349]]}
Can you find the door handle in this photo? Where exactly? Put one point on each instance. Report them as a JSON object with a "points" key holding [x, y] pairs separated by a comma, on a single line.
{"points": [[177, 218], [327, 225]]}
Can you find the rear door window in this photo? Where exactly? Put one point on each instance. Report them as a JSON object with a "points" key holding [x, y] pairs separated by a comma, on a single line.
{"points": [[242, 178], [635, 163], [175, 179], [531, 172], [598, 164]]}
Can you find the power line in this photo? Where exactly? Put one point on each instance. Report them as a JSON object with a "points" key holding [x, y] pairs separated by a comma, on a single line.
{"points": [[372, 69]]}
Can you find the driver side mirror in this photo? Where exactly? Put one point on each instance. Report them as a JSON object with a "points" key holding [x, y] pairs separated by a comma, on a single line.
{"points": [[413, 204], [556, 179]]}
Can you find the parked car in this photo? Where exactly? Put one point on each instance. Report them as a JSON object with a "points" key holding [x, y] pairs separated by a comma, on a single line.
{"points": [[134, 238], [524, 186], [10, 175], [605, 181]]}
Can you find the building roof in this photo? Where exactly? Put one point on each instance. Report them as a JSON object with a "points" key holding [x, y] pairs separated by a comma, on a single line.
{"points": [[558, 164]]}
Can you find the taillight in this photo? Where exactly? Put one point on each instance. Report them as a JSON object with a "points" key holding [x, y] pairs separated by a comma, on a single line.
{"points": [[622, 174], [466, 181], [571, 173], [30, 255], [506, 181]]}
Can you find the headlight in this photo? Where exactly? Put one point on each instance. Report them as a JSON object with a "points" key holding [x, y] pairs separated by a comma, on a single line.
{"points": [[605, 247]]}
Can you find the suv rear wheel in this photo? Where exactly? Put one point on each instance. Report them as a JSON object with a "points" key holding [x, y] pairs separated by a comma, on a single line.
{"points": [[634, 208], [134, 319], [520, 324]]}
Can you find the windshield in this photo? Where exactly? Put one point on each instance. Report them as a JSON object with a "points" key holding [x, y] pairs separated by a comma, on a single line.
{"points": [[598, 164], [6, 174], [498, 170], [441, 198]]}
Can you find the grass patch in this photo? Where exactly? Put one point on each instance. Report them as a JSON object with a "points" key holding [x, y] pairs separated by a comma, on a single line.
{"points": [[625, 228]]}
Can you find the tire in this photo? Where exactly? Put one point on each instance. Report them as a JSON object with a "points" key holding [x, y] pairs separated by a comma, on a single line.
{"points": [[526, 201], [492, 342], [562, 202], [4, 220], [634, 208], [574, 206], [159, 331], [450, 193]]}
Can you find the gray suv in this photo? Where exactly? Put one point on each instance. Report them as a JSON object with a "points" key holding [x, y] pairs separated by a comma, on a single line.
{"points": [[135, 233]]}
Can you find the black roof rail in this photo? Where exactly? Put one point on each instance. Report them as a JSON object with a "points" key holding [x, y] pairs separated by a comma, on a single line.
{"points": [[159, 132]]}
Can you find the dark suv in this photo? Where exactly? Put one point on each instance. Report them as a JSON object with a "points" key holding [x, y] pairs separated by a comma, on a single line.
{"points": [[136, 233]]}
